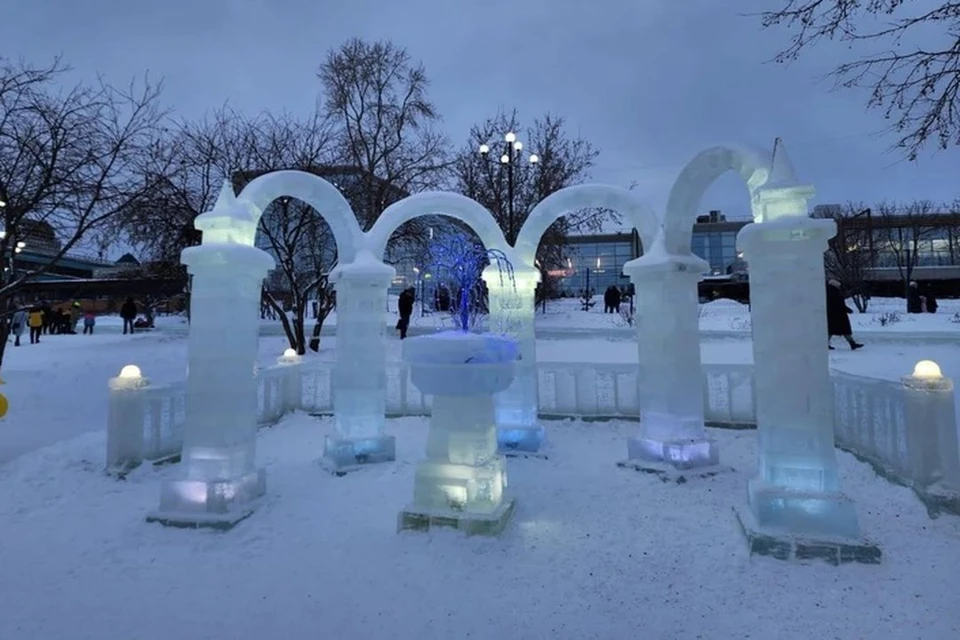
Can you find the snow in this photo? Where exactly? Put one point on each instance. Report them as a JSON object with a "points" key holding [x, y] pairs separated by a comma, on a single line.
{"points": [[458, 347], [593, 551]]}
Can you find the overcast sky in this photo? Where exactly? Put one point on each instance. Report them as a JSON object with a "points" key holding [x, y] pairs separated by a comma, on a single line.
{"points": [[650, 82]]}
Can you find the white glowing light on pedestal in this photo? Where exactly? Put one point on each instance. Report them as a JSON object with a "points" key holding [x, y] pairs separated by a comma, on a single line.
{"points": [[130, 372], [927, 370], [290, 353], [510, 137]]}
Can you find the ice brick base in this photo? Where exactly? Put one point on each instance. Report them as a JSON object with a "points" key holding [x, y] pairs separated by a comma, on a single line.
{"points": [[463, 488], [342, 455], [787, 546], [520, 440], [217, 504], [416, 518], [814, 513], [679, 454]]}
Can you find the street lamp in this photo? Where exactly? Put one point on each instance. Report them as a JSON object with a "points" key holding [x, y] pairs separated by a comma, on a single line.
{"points": [[512, 152]]}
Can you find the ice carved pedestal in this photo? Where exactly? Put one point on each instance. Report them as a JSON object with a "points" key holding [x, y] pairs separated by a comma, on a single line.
{"points": [[796, 508], [462, 483], [220, 482], [512, 309], [359, 376], [672, 440]]}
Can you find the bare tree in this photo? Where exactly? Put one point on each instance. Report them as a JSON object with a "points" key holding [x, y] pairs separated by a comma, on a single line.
{"points": [[226, 145], [562, 161], [903, 231], [849, 256], [303, 246], [191, 164], [70, 161], [376, 96], [911, 75]]}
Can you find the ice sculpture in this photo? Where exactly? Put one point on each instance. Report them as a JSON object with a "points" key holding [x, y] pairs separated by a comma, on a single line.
{"points": [[359, 376], [220, 483], [796, 506], [463, 481], [672, 435], [511, 312]]}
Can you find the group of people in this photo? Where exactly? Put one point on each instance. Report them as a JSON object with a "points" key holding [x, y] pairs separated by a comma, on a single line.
{"points": [[838, 320], [612, 298], [920, 301], [41, 318]]}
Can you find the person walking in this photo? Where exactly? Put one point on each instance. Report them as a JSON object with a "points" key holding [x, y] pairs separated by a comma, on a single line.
{"points": [[35, 322], [89, 322], [914, 299], [129, 313], [838, 318], [17, 324], [931, 301], [405, 307]]}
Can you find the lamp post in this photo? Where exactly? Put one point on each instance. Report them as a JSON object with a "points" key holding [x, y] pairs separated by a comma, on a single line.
{"points": [[512, 152]]}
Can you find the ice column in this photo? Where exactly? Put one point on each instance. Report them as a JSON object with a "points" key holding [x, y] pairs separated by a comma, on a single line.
{"points": [[512, 310], [797, 490], [360, 377], [220, 483], [670, 379], [463, 481]]}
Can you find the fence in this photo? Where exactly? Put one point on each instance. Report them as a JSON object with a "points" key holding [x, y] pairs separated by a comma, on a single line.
{"points": [[882, 422]]}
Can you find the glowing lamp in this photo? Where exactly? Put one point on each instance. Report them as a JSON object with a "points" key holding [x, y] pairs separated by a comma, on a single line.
{"points": [[290, 353], [534, 158], [130, 372], [927, 370], [505, 159], [511, 137], [484, 149], [518, 146]]}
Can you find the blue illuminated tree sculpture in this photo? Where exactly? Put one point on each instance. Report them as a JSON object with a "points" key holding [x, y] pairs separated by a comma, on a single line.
{"points": [[461, 261]]}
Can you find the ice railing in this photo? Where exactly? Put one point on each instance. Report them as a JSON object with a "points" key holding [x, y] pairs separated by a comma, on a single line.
{"points": [[871, 417], [879, 422]]}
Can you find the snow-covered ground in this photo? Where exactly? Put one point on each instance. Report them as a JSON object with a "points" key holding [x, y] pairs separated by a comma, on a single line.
{"points": [[594, 552]]}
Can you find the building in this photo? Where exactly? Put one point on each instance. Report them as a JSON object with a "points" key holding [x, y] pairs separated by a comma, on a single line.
{"points": [[885, 247], [597, 260]]}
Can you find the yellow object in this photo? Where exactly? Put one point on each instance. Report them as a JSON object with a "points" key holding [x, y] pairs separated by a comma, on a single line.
{"points": [[4, 405]]}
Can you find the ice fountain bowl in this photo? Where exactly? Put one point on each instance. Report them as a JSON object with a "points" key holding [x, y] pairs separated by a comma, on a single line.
{"points": [[455, 363]]}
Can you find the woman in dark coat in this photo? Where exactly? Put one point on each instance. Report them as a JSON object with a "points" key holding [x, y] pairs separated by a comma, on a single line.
{"points": [[838, 319]]}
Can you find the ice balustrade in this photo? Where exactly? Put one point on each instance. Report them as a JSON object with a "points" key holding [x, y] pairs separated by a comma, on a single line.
{"points": [[872, 416]]}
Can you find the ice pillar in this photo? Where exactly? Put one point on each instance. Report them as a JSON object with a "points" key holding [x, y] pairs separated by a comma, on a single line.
{"points": [[797, 489], [220, 481], [512, 303], [670, 379], [359, 376]]}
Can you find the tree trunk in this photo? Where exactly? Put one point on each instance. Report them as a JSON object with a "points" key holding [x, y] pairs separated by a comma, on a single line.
{"points": [[284, 320]]}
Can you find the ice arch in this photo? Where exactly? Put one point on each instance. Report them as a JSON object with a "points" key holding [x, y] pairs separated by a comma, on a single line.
{"points": [[454, 205], [551, 208], [316, 192], [758, 167]]}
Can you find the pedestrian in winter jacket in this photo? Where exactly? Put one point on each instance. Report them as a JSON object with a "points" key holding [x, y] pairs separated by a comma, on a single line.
{"points": [[89, 322], [838, 319], [35, 322], [18, 323], [129, 313]]}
